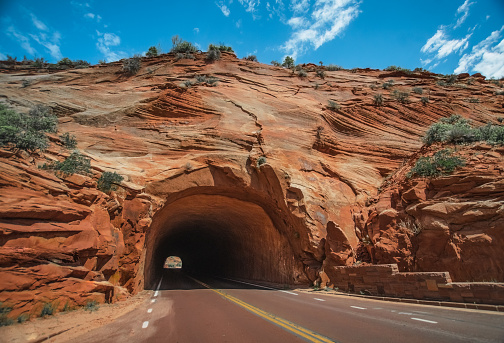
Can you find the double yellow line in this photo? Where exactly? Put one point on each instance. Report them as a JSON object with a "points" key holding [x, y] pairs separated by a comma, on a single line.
{"points": [[287, 325]]}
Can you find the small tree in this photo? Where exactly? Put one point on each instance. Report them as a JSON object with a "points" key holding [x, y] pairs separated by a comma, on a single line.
{"points": [[108, 181], [152, 52], [288, 62], [132, 65]]}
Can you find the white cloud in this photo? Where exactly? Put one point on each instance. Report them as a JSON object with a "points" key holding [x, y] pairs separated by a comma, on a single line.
{"points": [[328, 19], [107, 40], [464, 10], [443, 46], [300, 6], [196, 30], [89, 15], [238, 23], [225, 10], [51, 44], [250, 5], [486, 57], [38, 24], [21, 39], [2, 57]]}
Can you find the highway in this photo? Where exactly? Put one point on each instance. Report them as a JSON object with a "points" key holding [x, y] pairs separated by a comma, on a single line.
{"points": [[206, 309]]}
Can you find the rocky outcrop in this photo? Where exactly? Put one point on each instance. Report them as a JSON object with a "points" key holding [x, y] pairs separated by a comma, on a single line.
{"points": [[257, 164]]}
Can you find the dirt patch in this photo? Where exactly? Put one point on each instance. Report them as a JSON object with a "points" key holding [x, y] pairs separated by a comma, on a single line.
{"points": [[66, 326]]}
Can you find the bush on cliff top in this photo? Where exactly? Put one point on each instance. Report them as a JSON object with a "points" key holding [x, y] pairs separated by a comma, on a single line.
{"points": [[457, 130], [27, 131], [443, 162]]}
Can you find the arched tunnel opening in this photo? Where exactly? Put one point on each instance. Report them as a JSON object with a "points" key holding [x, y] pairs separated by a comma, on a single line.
{"points": [[221, 235]]}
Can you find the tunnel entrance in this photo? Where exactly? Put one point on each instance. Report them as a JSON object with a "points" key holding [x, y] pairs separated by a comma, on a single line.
{"points": [[221, 235], [173, 262]]}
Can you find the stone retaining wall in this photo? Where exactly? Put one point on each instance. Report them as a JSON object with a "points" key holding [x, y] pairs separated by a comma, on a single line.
{"points": [[385, 279]]}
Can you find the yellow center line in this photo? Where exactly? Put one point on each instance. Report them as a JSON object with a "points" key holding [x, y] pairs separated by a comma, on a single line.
{"points": [[287, 325]]}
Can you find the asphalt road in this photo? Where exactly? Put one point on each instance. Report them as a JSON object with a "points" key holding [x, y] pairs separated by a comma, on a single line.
{"points": [[205, 309]]}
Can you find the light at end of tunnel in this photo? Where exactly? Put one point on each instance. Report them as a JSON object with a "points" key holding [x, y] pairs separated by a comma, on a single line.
{"points": [[173, 262]]}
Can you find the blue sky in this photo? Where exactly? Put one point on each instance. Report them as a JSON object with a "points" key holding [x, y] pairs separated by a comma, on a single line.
{"points": [[439, 35]]}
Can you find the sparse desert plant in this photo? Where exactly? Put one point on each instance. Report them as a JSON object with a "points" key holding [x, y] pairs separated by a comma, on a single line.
{"points": [[4, 312], [302, 73], [500, 119], [419, 70], [182, 46], [473, 100], [333, 67], [378, 99], [91, 306], [316, 86], [11, 59], [451, 79], [411, 226], [260, 161], [276, 63], [65, 61], [152, 52], [213, 53], [220, 47], [418, 90], [39, 63], [23, 318], [28, 131], [108, 181], [132, 65], [288, 62], [25, 83], [76, 163], [388, 84], [470, 81], [252, 58], [396, 68], [47, 310], [441, 83], [424, 100], [69, 141], [333, 105], [187, 83], [401, 96], [443, 162], [320, 73]]}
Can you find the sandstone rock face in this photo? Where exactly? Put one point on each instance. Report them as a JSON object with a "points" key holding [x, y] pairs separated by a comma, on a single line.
{"points": [[255, 177]]}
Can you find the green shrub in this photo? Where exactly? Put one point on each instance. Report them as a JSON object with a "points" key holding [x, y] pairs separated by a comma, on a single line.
{"points": [[401, 96], [181, 56], [68, 140], [213, 53], [419, 70], [220, 47], [27, 131], [252, 58], [288, 62], [91, 306], [424, 100], [378, 99], [76, 163], [443, 162], [302, 73], [132, 65], [320, 73], [333, 105], [65, 61], [388, 84], [187, 83], [276, 63], [451, 79], [4, 312], [333, 67], [182, 46], [152, 52], [396, 68], [39, 63], [260, 161], [47, 310], [23, 318], [418, 90], [108, 181]]}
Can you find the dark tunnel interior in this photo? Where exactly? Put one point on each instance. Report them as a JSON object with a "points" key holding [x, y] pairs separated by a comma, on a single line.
{"points": [[219, 236]]}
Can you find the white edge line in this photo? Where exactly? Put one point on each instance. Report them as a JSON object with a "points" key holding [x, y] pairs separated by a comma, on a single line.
{"points": [[425, 320], [359, 308], [319, 299], [253, 284], [158, 286], [145, 324]]}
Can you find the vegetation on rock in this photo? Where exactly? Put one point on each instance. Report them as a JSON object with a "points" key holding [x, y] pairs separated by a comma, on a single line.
{"points": [[108, 181]]}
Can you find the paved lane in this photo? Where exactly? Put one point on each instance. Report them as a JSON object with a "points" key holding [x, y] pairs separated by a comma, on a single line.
{"points": [[216, 310]]}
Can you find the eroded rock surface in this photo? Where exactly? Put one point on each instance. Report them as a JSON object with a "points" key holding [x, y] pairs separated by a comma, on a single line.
{"points": [[257, 162]]}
